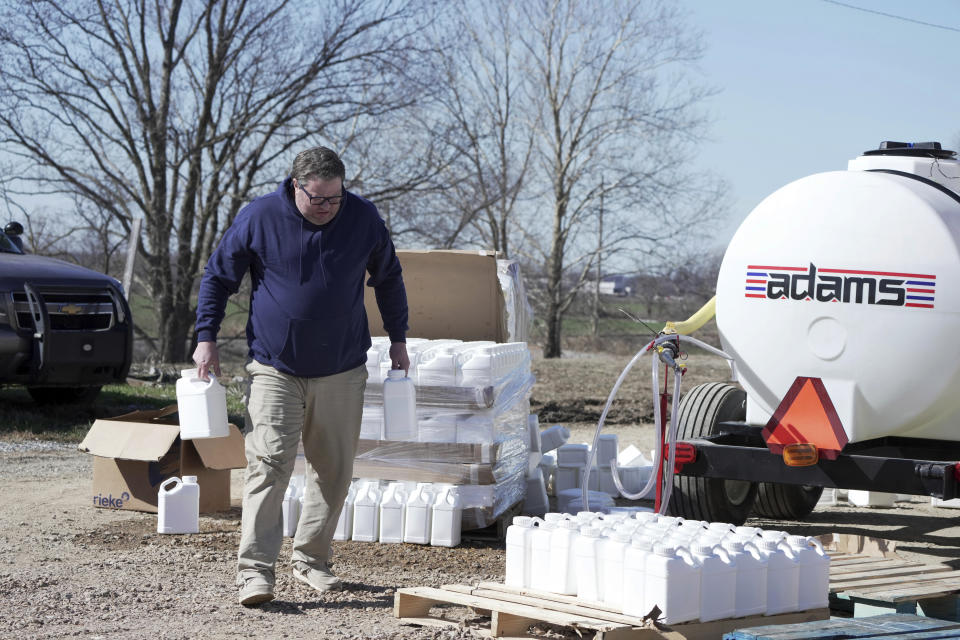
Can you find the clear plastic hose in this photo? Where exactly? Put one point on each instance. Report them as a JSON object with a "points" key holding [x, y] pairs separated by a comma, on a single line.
{"points": [[657, 418]]}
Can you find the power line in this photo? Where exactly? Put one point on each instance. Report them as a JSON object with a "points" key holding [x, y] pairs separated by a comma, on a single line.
{"points": [[890, 15]]}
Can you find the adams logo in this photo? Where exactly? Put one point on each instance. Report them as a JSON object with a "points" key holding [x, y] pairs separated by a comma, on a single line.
{"points": [[841, 285]]}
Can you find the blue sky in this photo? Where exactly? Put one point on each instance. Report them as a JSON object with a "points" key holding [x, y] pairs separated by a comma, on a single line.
{"points": [[805, 85]]}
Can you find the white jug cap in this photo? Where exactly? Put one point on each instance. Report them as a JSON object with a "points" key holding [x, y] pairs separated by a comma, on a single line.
{"points": [[189, 479], [396, 374], [664, 549], [591, 532], [523, 521], [702, 549], [188, 373], [769, 545], [733, 545], [569, 524], [621, 536], [798, 541]]}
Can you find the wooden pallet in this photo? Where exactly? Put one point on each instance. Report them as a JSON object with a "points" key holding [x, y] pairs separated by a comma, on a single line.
{"points": [[869, 585], [512, 611], [889, 626]]}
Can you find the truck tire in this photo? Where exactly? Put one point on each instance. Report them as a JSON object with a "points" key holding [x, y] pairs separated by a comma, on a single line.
{"points": [[785, 501], [711, 499], [63, 395]]}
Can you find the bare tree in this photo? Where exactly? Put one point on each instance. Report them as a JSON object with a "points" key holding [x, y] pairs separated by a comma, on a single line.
{"points": [[615, 116], [180, 111]]}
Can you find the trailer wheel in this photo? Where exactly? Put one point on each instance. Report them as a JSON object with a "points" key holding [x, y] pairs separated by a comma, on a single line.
{"points": [[785, 501], [711, 499]]}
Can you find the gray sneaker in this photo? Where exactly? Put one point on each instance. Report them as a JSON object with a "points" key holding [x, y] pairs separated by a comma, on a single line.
{"points": [[320, 578], [255, 590]]}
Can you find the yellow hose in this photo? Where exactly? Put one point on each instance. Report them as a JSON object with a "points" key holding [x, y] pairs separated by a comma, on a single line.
{"points": [[694, 322]]}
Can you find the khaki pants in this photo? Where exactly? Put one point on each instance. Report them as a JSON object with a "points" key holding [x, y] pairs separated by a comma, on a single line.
{"points": [[327, 412]]}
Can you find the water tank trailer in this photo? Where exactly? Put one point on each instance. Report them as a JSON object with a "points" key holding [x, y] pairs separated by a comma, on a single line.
{"points": [[838, 299]]}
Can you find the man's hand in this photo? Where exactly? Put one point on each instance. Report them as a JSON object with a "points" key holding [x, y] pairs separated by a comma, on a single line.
{"points": [[399, 358], [207, 357]]}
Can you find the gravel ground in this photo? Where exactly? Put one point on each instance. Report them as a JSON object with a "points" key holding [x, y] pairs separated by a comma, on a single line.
{"points": [[72, 570]]}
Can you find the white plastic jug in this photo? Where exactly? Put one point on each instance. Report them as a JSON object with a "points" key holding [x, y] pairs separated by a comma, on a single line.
{"points": [[392, 513], [554, 437], [635, 600], [345, 521], [541, 555], [612, 552], [783, 576], [586, 558], [366, 513], [535, 502], [718, 582], [399, 407], [518, 563], [751, 596], [813, 590], [202, 407], [563, 569], [673, 584], [178, 506], [447, 518], [291, 510], [419, 516]]}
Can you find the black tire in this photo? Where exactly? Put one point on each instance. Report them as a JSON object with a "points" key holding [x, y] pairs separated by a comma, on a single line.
{"points": [[64, 395], [785, 501], [711, 499]]}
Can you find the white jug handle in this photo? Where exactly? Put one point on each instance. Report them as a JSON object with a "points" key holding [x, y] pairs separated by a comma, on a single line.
{"points": [[175, 480], [818, 545], [535, 521], [720, 550]]}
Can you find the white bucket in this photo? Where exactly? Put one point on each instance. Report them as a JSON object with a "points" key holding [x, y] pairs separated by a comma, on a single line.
{"points": [[586, 560], [813, 590], [392, 513], [447, 518], [399, 407], [518, 562], [419, 514], [366, 513], [673, 584], [178, 506], [563, 569], [202, 407]]}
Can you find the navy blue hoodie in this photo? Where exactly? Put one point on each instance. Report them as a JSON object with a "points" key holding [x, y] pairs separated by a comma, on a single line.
{"points": [[306, 304]]}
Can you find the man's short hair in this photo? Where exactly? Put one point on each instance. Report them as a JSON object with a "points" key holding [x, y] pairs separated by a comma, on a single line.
{"points": [[318, 162]]}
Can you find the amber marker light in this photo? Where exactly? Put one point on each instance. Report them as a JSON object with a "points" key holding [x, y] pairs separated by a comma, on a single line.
{"points": [[800, 454]]}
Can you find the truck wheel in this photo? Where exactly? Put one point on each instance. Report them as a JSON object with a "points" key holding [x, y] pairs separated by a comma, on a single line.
{"points": [[63, 395], [785, 501], [711, 499]]}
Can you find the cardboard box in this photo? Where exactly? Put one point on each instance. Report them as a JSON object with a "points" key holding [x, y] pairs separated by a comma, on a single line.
{"points": [[135, 453], [451, 294]]}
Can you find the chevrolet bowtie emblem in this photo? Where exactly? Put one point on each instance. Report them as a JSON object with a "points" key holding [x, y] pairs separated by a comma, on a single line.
{"points": [[71, 309]]}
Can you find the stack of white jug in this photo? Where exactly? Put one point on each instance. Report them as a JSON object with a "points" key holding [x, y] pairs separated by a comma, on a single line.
{"points": [[450, 363], [418, 513], [690, 569]]}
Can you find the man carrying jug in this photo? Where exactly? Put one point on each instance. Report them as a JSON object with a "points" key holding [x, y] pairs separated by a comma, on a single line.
{"points": [[308, 247]]}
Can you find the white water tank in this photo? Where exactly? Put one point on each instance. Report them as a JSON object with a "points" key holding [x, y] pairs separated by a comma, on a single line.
{"points": [[853, 277]]}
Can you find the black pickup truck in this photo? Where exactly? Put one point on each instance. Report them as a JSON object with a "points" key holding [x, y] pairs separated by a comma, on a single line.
{"points": [[65, 331]]}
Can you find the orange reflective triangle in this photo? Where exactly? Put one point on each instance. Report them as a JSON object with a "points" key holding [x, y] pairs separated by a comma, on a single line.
{"points": [[806, 414]]}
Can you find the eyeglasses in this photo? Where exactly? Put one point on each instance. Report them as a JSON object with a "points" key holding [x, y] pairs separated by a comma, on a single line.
{"points": [[317, 201]]}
